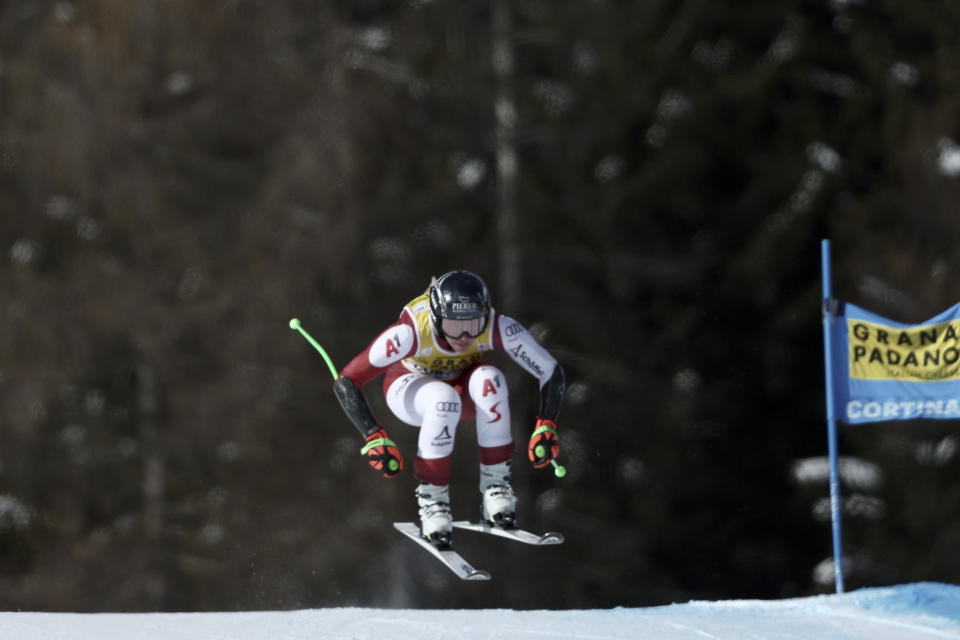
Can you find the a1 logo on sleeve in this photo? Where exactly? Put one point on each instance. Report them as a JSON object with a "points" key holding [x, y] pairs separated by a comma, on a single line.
{"points": [[391, 345]]}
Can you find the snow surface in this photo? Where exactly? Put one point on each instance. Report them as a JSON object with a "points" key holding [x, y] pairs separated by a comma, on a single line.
{"points": [[920, 611]]}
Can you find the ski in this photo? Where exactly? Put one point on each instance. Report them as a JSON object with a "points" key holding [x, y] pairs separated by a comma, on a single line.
{"points": [[453, 560], [519, 535]]}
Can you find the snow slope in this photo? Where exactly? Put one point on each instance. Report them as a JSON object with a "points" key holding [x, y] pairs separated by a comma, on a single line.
{"points": [[922, 611]]}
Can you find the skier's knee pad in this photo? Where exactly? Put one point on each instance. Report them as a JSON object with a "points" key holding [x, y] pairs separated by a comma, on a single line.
{"points": [[438, 397], [488, 390], [487, 387], [439, 404]]}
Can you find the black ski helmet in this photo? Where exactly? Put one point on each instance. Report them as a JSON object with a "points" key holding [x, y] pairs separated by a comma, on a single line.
{"points": [[460, 295]]}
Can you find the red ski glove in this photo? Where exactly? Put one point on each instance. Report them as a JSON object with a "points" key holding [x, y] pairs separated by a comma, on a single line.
{"points": [[382, 454], [544, 445]]}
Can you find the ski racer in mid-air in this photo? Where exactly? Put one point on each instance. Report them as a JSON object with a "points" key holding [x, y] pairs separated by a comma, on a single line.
{"points": [[434, 377]]}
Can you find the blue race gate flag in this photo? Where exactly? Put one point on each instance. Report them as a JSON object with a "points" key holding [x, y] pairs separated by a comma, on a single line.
{"points": [[886, 370]]}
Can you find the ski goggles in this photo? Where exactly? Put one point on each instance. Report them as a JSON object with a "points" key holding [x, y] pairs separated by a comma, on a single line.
{"points": [[457, 329]]}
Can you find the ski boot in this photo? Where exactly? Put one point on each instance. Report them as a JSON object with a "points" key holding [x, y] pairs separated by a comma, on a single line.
{"points": [[498, 506], [436, 519]]}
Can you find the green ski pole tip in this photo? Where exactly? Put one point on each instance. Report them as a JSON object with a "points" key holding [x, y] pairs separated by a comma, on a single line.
{"points": [[393, 465], [558, 469], [294, 324], [540, 451]]}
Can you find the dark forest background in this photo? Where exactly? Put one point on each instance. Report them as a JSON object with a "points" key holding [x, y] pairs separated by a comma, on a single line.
{"points": [[178, 179]]}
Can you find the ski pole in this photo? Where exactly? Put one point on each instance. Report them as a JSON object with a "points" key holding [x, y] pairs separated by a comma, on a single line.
{"points": [[295, 325], [558, 469]]}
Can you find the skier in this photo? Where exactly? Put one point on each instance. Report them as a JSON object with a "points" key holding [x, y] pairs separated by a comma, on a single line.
{"points": [[434, 377]]}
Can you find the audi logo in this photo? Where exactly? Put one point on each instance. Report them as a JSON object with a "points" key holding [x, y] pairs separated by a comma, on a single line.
{"points": [[513, 330], [449, 407]]}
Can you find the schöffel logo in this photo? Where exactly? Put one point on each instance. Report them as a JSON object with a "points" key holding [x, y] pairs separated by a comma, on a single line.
{"points": [[443, 439], [513, 329], [449, 407], [521, 356]]}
